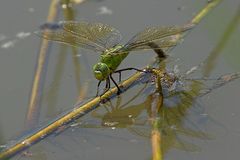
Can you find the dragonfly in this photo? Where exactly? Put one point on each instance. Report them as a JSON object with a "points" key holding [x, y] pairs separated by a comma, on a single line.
{"points": [[105, 40]]}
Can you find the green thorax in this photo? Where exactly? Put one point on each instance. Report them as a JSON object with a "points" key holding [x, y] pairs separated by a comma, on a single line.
{"points": [[113, 57]]}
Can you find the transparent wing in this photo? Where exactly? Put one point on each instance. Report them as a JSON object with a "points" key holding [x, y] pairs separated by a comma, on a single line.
{"points": [[98, 33], [156, 37], [70, 39], [93, 36], [163, 43]]}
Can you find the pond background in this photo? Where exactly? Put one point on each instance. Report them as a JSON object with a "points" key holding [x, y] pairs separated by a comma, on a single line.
{"points": [[62, 84]]}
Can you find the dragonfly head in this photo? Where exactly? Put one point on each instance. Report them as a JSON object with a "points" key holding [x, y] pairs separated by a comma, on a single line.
{"points": [[101, 71]]}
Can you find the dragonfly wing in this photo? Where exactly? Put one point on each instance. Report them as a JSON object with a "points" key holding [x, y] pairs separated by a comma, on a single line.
{"points": [[162, 43], [65, 37], [98, 33], [156, 38]]}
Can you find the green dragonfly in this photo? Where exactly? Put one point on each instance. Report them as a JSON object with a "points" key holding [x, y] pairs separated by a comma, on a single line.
{"points": [[105, 40]]}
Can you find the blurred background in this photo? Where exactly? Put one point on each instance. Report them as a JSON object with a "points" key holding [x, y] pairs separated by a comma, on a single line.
{"points": [[69, 79]]}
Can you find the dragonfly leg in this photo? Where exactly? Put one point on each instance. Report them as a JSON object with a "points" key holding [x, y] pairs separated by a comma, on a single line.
{"points": [[119, 90], [126, 69], [157, 50], [99, 82], [120, 77], [107, 87]]}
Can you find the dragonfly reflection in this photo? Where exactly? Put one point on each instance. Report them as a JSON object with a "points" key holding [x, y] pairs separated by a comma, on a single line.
{"points": [[181, 114]]}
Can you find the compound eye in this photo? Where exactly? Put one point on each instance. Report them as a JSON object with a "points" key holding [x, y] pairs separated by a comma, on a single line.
{"points": [[101, 71], [98, 75]]}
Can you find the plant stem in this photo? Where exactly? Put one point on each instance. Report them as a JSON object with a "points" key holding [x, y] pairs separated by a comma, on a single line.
{"points": [[82, 110]]}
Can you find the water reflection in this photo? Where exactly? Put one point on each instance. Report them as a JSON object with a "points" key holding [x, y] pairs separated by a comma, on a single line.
{"points": [[182, 119]]}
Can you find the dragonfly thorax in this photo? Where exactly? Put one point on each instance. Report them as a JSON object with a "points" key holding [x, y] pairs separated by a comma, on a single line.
{"points": [[113, 50], [101, 71]]}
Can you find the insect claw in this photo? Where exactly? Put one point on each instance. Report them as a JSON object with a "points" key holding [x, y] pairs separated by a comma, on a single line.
{"points": [[103, 100], [119, 92]]}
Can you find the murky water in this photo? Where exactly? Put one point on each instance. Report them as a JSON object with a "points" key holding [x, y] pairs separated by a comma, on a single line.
{"points": [[203, 128]]}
